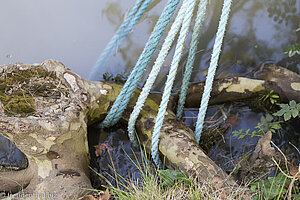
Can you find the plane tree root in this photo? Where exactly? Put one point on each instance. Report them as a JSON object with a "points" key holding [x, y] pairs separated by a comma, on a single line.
{"points": [[45, 110]]}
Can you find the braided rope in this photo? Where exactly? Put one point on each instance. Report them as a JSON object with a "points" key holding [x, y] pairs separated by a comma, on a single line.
{"points": [[123, 98], [212, 68], [169, 82], [190, 62], [154, 72], [132, 18]]}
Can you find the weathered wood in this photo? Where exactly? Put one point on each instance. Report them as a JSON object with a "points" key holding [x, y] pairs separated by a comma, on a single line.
{"points": [[272, 77]]}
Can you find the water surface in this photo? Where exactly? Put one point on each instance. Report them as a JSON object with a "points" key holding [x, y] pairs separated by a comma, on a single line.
{"points": [[75, 32]]}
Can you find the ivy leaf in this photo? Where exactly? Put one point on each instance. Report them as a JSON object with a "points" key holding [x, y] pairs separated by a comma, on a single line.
{"points": [[283, 105], [276, 126], [295, 113], [279, 113], [292, 50], [269, 118], [293, 103], [287, 116]]}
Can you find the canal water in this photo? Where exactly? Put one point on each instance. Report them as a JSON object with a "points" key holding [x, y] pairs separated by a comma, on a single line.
{"points": [[75, 32]]}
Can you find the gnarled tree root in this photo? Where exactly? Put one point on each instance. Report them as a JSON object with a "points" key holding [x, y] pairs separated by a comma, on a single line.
{"points": [[53, 131]]}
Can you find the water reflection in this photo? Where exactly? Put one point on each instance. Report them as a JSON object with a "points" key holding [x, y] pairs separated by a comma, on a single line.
{"points": [[10, 156]]}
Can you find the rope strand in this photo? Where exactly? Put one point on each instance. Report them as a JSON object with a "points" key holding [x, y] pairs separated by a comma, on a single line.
{"points": [[126, 27], [154, 72], [212, 68], [169, 82], [123, 98], [191, 57]]}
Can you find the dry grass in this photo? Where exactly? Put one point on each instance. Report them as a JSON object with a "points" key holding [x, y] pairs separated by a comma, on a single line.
{"points": [[150, 187]]}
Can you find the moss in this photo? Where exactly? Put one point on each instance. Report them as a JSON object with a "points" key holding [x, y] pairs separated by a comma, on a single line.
{"points": [[18, 89]]}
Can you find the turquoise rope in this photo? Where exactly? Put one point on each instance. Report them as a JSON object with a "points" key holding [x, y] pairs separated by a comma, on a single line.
{"points": [[212, 68], [154, 72], [123, 98], [133, 17], [169, 82], [190, 62]]}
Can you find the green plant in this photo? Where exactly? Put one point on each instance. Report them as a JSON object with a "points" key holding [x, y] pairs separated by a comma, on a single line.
{"points": [[294, 49], [289, 110], [169, 177], [271, 97], [271, 188], [266, 124], [166, 184]]}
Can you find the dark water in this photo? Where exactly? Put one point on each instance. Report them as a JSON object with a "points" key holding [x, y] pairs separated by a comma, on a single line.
{"points": [[10, 156], [227, 152], [120, 159]]}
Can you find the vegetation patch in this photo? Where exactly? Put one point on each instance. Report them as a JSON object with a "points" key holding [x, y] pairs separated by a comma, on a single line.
{"points": [[18, 89]]}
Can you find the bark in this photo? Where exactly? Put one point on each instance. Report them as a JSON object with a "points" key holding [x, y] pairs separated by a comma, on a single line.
{"points": [[272, 77], [48, 122]]}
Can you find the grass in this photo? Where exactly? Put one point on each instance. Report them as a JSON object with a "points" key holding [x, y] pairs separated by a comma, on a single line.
{"points": [[166, 185], [176, 185], [150, 187]]}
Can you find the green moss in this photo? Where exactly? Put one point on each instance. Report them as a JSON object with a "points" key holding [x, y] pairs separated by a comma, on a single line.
{"points": [[18, 89]]}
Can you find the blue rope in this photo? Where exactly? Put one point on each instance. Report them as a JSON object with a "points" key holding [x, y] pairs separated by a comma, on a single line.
{"points": [[190, 62], [184, 17], [123, 98], [169, 82], [212, 68], [133, 17], [154, 72]]}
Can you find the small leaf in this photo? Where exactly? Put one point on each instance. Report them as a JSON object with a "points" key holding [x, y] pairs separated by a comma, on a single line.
{"points": [[292, 53], [279, 113], [272, 130], [295, 113], [275, 96], [292, 50], [287, 116], [293, 103], [168, 177], [269, 118], [283, 105], [276, 126]]}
